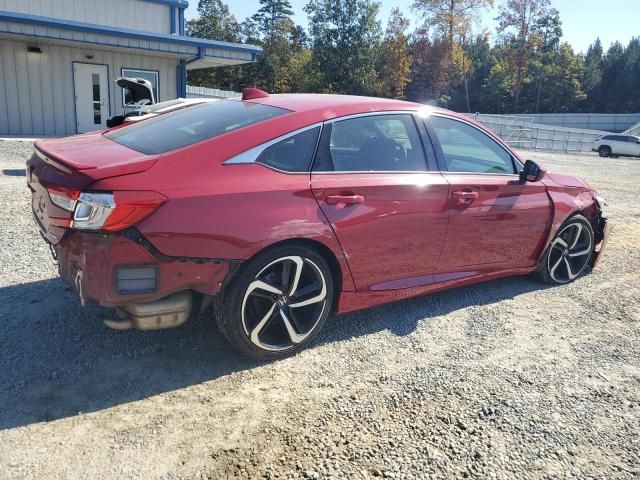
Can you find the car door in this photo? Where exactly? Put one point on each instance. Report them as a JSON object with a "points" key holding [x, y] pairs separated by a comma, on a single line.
{"points": [[495, 222], [636, 146], [620, 145], [631, 145], [372, 182]]}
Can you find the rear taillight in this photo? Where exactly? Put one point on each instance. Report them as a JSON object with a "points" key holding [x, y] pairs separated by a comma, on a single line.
{"points": [[63, 197], [111, 212], [103, 211]]}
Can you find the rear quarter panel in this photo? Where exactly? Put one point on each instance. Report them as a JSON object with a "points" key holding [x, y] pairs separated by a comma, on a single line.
{"points": [[233, 212]]}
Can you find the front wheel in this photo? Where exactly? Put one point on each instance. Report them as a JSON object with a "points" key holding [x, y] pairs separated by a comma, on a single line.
{"points": [[569, 253], [278, 302], [604, 151]]}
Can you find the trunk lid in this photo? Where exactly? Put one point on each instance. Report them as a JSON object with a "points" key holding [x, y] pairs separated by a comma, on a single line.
{"points": [[137, 90], [70, 165]]}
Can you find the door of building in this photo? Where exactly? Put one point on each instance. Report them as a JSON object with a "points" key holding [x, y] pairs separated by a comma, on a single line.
{"points": [[91, 96]]}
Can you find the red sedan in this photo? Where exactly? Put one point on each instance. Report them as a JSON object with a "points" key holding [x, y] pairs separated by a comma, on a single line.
{"points": [[280, 209]]}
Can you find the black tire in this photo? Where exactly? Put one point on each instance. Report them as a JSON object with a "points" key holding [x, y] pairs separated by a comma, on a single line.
{"points": [[243, 306], [567, 258], [604, 151]]}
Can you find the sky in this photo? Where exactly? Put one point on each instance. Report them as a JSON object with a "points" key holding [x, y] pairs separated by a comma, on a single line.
{"points": [[582, 20]]}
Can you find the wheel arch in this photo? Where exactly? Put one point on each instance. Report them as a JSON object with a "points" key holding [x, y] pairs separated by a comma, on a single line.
{"points": [[566, 207], [339, 270]]}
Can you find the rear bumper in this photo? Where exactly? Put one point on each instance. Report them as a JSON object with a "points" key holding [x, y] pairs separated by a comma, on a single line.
{"points": [[602, 237], [89, 262]]}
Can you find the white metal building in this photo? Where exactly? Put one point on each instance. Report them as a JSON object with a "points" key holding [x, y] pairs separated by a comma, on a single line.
{"points": [[58, 59]]}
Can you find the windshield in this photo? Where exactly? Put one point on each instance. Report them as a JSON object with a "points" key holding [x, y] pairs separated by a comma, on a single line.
{"points": [[190, 125]]}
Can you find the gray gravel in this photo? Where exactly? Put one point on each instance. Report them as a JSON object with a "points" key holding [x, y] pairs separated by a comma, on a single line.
{"points": [[506, 379]]}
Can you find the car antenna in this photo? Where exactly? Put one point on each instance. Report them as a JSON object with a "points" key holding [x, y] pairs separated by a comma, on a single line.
{"points": [[250, 93]]}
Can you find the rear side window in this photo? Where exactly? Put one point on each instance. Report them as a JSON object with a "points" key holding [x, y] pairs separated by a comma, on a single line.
{"points": [[190, 125], [467, 149], [293, 154], [374, 143]]}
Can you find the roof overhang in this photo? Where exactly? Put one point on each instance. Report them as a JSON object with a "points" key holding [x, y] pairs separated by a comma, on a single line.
{"points": [[202, 53]]}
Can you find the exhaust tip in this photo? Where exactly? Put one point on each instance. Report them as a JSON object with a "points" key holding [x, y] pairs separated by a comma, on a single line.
{"points": [[119, 324]]}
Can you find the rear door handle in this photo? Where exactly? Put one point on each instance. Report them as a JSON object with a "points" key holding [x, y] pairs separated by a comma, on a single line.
{"points": [[465, 195], [344, 199]]}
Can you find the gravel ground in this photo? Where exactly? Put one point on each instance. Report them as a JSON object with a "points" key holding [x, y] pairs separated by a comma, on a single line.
{"points": [[506, 379]]}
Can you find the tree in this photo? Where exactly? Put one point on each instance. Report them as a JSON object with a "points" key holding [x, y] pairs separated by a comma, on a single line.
{"points": [[273, 15], [214, 22], [429, 69], [549, 30], [517, 20], [563, 76], [593, 67], [395, 61], [450, 22], [345, 39], [450, 18]]}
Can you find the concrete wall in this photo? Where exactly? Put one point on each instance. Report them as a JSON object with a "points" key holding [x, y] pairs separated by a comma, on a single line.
{"points": [[133, 14], [36, 90], [586, 121], [521, 132]]}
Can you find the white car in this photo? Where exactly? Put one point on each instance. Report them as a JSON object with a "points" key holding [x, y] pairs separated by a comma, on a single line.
{"points": [[616, 145]]}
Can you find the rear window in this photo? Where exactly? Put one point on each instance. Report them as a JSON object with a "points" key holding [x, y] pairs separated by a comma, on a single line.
{"points": [[190, 125]]}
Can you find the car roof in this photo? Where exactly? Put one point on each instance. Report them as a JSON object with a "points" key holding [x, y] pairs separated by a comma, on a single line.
{"points": [[328, 106]]}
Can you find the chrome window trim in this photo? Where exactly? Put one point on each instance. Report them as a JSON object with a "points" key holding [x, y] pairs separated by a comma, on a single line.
{"points": [[252, 155], [372, 114], [377, 172], [500, 143]]}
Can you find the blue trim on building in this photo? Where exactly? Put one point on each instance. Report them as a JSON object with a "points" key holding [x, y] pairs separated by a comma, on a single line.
{"points": [[172, 20], [181, 71], [181, 21], [173, 3], [124, 32]]}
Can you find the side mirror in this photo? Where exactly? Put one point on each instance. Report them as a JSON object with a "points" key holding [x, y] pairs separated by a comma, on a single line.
{"points": [[532, 172]]}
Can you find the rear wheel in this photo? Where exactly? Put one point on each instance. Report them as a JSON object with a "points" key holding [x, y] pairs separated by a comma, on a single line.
{"points": [[604, 151], [569, 253], [278, 302]]}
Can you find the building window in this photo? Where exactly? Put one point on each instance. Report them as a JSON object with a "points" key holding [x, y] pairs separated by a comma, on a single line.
{"points": [[150, 75]]}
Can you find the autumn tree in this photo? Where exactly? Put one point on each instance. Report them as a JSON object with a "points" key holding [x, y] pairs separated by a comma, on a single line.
{"points": [[516, 25], [395, 61], [449, 24]]}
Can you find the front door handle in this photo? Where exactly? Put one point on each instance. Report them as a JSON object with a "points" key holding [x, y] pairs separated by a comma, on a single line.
{"points": [[344, 199], [462, 195]]}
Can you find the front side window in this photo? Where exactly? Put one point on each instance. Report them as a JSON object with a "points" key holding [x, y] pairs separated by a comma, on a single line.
{"points": [[293, 154], [467, 149], [382, 143], [150, 75], [190, 125]]}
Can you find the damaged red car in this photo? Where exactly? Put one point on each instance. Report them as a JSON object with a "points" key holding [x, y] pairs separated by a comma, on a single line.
{"points": [[281, 209]]}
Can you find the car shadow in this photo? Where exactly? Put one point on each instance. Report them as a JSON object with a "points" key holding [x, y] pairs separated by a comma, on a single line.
{"points": [[57, 359], [14, 172]]}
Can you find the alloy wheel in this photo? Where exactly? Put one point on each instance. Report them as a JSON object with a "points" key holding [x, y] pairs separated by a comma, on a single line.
{"points": [[284, 303], [570, 253]]}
